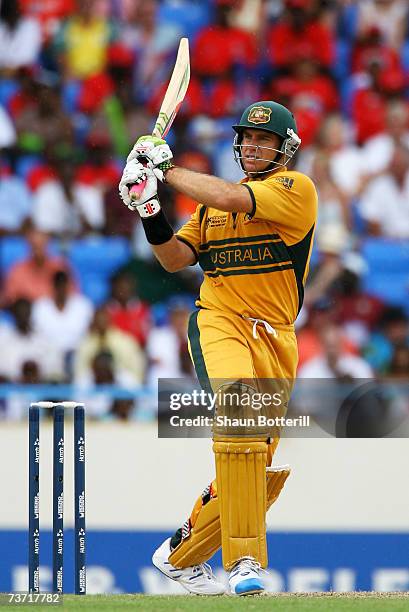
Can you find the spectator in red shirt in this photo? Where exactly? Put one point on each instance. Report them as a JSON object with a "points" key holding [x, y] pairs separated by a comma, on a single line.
{"points": [[32, 278], [25, 98], [369, 106], [193, 104], [300, 32], [355, 308], [126, 311], [48, 13], [99, 170], [226, 96], [307, 86], [220, 47], [370, 50], [380, 77]]}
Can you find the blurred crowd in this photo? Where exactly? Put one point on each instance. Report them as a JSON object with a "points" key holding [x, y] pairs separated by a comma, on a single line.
{"points": [[81, 79]]}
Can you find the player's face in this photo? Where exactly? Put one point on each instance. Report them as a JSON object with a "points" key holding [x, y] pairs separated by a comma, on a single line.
{"points": [[258, 149]]}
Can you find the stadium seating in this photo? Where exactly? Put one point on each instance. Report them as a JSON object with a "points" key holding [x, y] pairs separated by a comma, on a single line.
{"points": [[12, 250], [94, 260], [388, 270]]}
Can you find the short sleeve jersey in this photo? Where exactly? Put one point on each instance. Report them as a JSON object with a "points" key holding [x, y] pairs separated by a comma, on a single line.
{"points": [[255, 264]]}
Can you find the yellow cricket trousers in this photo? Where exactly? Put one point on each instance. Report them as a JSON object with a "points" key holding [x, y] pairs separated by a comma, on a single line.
{"points": [[227, 346]]}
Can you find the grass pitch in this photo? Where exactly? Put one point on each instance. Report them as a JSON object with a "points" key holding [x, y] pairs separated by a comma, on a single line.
{"points": [[316, 602]]}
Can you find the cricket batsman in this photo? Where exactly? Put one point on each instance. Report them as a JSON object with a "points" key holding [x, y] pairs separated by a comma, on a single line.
{"points": [[253, 241]]}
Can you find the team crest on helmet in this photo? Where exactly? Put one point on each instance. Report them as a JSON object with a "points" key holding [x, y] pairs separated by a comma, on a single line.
{"points": [[259, 114]]}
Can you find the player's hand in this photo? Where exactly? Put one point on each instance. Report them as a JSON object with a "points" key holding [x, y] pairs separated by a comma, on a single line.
{"points": [[133, 174], [156, 151], [148, 203]]}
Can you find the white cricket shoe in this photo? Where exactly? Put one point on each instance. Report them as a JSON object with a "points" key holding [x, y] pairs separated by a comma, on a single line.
{"points": [[244, 578], [198, 579]]}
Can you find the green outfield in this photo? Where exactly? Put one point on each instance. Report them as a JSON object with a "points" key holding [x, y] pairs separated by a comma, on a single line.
{"points": [[346, 602]]}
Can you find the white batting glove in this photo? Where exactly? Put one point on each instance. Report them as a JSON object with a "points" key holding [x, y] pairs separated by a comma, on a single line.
{"points": [[156, 151], [147, 204], [133, 174]]}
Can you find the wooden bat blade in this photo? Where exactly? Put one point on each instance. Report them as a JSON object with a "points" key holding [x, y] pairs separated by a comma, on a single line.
{"points": [[174, 96], [176, 91]]}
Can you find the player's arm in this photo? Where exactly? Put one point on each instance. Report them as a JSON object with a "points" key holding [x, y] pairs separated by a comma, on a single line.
{"points": [[173, 253], [209, 190]]}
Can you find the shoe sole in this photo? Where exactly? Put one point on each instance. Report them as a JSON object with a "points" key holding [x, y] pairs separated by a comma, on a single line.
{"points": [[183, 586], [250, 586], [255, 592]]}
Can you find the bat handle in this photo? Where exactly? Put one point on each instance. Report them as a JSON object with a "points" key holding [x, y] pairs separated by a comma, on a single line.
{"points": [[136, 190]]}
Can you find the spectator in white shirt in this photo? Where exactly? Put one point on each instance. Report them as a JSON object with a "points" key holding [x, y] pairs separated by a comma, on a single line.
{"points": [[346, 163], [20, 37], [334, 362], [378, 151], [387, 16], [7, 130], [385, 202], [63, 318], [167, 347], [15, 200], [21, 343], [63, 206]]}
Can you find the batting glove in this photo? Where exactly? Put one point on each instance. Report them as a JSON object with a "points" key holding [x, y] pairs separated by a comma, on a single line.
{"points": [[147, 204], [156, 151]]}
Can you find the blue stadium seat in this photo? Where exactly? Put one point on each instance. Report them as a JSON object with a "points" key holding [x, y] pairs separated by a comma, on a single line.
{"points": [[95, 287], [8, 87], [26, 163], [348, 22], [70, 94], [315, 256], [15, 248], [94, 260], [388, 270], [404, 53], [99, 254], [188, 16], [342, 63], [12, 249]]}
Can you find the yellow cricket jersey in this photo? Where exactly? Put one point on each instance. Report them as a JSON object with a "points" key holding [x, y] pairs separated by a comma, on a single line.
{"points": [[256, 264]]}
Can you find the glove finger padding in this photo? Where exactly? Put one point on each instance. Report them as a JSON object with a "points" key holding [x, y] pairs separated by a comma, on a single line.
{"points": [[155, 150], [134, 172], [148, 203], [151, 188]]}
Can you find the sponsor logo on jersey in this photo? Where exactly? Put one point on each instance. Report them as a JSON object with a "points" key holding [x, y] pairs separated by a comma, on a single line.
{"points": [[216, 221], [259, 114], [286, 181]]}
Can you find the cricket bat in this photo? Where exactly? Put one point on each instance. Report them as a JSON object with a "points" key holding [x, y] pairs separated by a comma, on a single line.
{"points": [[172, 101]]}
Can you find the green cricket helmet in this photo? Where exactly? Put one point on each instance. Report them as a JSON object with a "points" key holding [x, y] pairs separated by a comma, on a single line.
{"points": [[271, 117]]}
